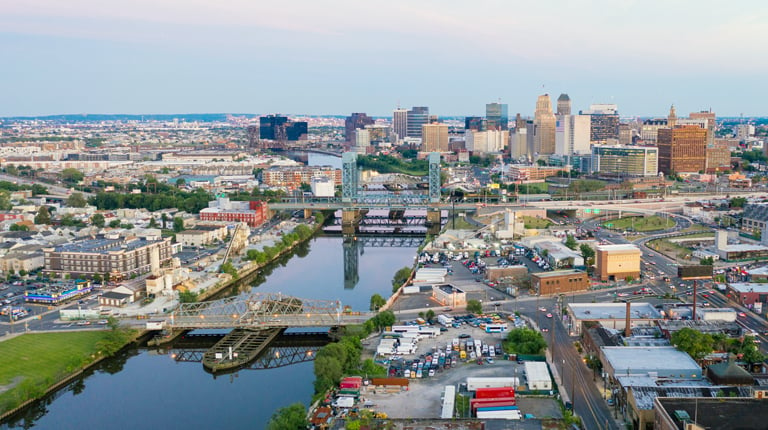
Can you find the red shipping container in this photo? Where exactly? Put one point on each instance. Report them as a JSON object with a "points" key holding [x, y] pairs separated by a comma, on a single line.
{"points": [[488, 393], [487, 403]]}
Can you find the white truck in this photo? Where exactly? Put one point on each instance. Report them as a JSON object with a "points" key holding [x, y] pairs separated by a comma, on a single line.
{"points": [[444, 320]]}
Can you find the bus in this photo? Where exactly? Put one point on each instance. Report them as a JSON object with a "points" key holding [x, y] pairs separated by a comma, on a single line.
{"points": [[495, 328]]}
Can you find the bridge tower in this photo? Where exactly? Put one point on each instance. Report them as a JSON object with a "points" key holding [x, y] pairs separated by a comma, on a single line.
{"points": [[350, 177], [352, 251], [434, 177]]}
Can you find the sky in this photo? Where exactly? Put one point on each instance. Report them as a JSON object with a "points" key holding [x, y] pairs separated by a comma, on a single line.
{"points": [[336, 57]]}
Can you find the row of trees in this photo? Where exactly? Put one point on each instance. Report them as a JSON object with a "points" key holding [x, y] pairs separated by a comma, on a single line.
{"points": [[191, 202], [524, 340], [698, 345], [300, 233], [390, 164]]}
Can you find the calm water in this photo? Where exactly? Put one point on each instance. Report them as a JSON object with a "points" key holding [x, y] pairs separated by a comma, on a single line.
{"points": [[144, 390], [315, 159]]}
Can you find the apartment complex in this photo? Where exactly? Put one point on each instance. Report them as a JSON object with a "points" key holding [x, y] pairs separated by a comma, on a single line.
{"points": [[294, 176], [116, 256], [253, 213], [434, 137]]}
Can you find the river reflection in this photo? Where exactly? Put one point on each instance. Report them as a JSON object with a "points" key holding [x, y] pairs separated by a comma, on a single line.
{"points": [[142, 389]]}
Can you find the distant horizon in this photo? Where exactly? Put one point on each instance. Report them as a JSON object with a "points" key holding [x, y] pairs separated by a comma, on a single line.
{"points": [[181, 115], [349, 56]]}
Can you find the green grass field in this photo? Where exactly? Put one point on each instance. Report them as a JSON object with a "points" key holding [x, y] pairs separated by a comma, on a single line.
{"points": [[31, 363], [538, 223], [639, 223]]}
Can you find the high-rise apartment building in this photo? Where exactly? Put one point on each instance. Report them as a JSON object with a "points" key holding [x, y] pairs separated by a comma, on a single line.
{"points": [[400, 123], [489, 141], [682, 149], [544, 127], [362, 140], [563, 105], [353, 122], [497, 116], [518, 139], [417, 117], [604, 122], [434, 137]]}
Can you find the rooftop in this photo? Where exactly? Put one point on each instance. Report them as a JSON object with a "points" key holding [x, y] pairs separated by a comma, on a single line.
{"points": [[640, 360], [100, 246], [612, 311], [619, 247], [556, 273], [717, 413], [749, 287]]}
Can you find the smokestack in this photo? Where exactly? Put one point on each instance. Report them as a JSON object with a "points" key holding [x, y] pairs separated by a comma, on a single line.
{"points": [[628, 327]]}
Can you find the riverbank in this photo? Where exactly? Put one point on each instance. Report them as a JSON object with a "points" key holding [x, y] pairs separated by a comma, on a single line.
{"points": [[33, 365]]}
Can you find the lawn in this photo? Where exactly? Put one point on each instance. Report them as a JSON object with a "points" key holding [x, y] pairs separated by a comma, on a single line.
{"points": [[459, 223], [538, 223], [31, 363], [639, 223]]}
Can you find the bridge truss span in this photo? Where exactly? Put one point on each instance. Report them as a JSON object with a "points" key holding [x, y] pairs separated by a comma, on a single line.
{"points": [[262, 311]]}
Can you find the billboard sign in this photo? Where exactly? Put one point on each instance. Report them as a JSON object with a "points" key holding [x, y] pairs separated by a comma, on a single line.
{"points": [[689, 273]]}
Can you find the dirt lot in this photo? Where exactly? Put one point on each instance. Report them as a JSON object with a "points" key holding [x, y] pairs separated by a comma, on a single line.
{"points": [[423, 399]]}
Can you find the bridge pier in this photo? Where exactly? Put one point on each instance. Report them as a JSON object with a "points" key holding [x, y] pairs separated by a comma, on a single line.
{"points": [[350, 220], [433, 221], [238, 348]]}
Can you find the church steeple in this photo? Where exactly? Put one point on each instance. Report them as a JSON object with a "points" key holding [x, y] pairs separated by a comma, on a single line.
{"points": [[672, 118]]}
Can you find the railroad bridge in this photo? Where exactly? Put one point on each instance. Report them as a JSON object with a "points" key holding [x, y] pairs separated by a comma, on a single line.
{"points": [[256, 319]]}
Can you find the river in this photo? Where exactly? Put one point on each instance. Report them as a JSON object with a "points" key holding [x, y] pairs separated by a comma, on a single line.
{"points": [[141, 389]]}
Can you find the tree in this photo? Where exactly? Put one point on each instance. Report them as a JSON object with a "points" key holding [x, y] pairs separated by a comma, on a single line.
{"points": [[524, 341], [586, 252], [693, 342], [377, 302], [570, 242], [72, 175], [98, 220], [164, 219], [708, 261], [385, 319], [291, 417], [115, 223], [19, 227], [43, 216], [181, 182], [152, 223], [22, 272], [474, 306], [76, 200], [178, 224], [430, 315], [400, 277]]}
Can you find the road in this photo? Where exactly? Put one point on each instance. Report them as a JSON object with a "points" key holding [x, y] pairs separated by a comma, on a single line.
{"points": [[52, 189]]}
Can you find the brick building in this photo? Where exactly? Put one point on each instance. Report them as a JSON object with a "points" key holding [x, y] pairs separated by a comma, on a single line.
{"points": [[253, 213], [682, 149], [560, 282]]}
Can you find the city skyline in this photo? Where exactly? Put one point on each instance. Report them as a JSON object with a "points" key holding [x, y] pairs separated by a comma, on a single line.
{"points": [[312, 58]]}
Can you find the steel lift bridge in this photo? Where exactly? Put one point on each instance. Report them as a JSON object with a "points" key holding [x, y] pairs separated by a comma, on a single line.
{"points": [[256, 319]]}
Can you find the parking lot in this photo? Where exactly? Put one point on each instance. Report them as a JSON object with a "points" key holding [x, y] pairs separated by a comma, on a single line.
{"points": [[423, 397]]}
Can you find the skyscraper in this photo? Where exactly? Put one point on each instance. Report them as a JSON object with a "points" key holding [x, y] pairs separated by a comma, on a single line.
{"points": [[279, 128], [496, 116], [544, 127], [563, 105], [434, 137], [476, 123], [682, 149], [417, 117], [353, 122], [710, 117], [400, 122], [604, 122]]}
